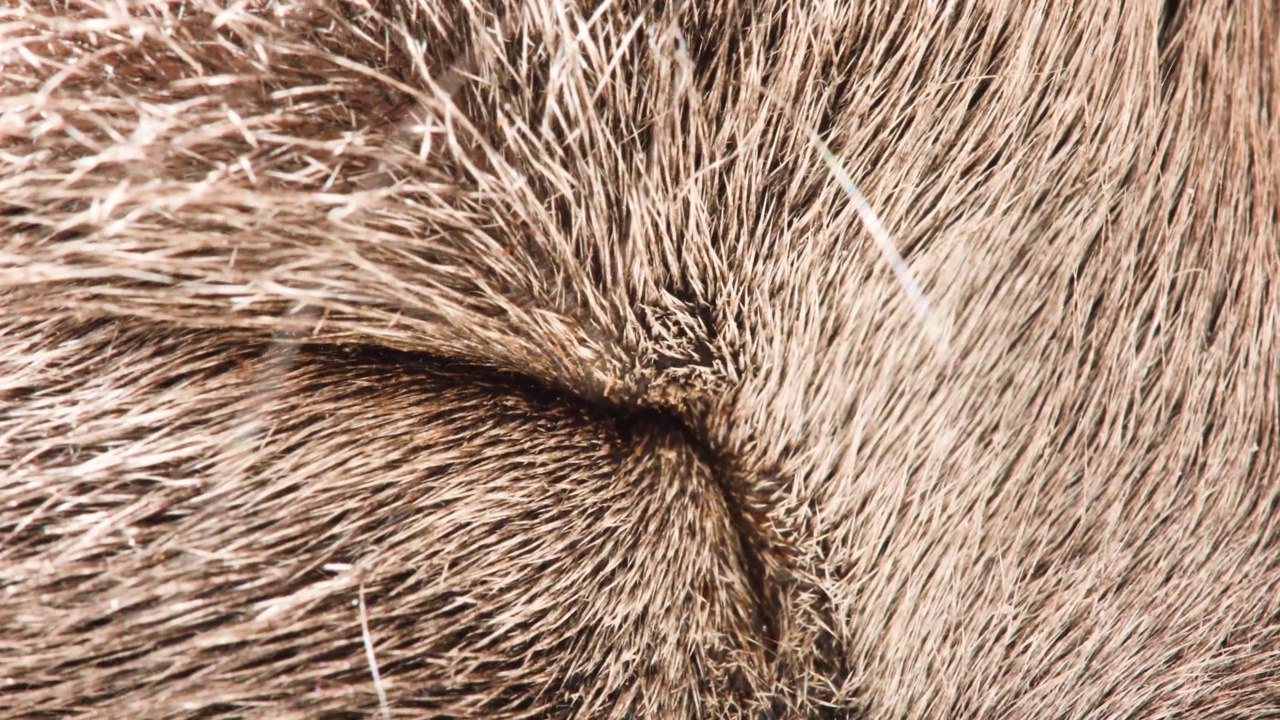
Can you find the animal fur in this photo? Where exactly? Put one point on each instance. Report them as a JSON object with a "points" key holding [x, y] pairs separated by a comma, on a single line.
{"points": [[524, 360]]}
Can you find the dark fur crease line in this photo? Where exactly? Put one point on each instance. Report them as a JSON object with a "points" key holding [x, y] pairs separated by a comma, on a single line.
{"points": [[630, 419]]}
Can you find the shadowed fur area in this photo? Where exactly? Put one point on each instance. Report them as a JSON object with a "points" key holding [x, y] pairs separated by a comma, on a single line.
{"points": [[420, 358]]}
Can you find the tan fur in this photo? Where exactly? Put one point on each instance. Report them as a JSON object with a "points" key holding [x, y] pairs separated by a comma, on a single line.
{"points": [[448, 360]]}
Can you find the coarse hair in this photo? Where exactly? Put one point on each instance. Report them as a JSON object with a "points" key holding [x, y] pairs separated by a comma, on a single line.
{"points": [[616, 359]]}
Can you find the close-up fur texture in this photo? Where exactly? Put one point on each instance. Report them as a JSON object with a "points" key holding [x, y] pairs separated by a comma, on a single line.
{"points": [[622, 359]]}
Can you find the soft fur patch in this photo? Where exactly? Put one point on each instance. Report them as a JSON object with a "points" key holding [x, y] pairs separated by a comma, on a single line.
{"points": [[524, 360]]}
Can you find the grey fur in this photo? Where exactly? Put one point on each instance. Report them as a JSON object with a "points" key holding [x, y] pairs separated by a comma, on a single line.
{"points": [[542, 337]]}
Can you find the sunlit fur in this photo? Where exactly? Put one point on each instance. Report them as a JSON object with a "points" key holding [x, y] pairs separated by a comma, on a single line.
{"points": [[532, 361]]}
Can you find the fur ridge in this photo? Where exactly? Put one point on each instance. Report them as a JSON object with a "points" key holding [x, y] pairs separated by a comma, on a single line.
{"points": [[533, 350]]}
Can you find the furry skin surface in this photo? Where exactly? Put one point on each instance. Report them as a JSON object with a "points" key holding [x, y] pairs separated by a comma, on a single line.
{"points": [[462, 359]]}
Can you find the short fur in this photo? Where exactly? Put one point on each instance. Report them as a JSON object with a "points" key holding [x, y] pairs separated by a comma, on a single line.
{"points": [[462, 359]]}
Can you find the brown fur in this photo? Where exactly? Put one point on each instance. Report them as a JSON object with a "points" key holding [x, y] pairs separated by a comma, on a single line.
{"points": [[448, 360]]}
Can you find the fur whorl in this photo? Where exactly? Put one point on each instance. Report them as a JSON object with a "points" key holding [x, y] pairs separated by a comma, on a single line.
{"points": [[541, 359]]}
